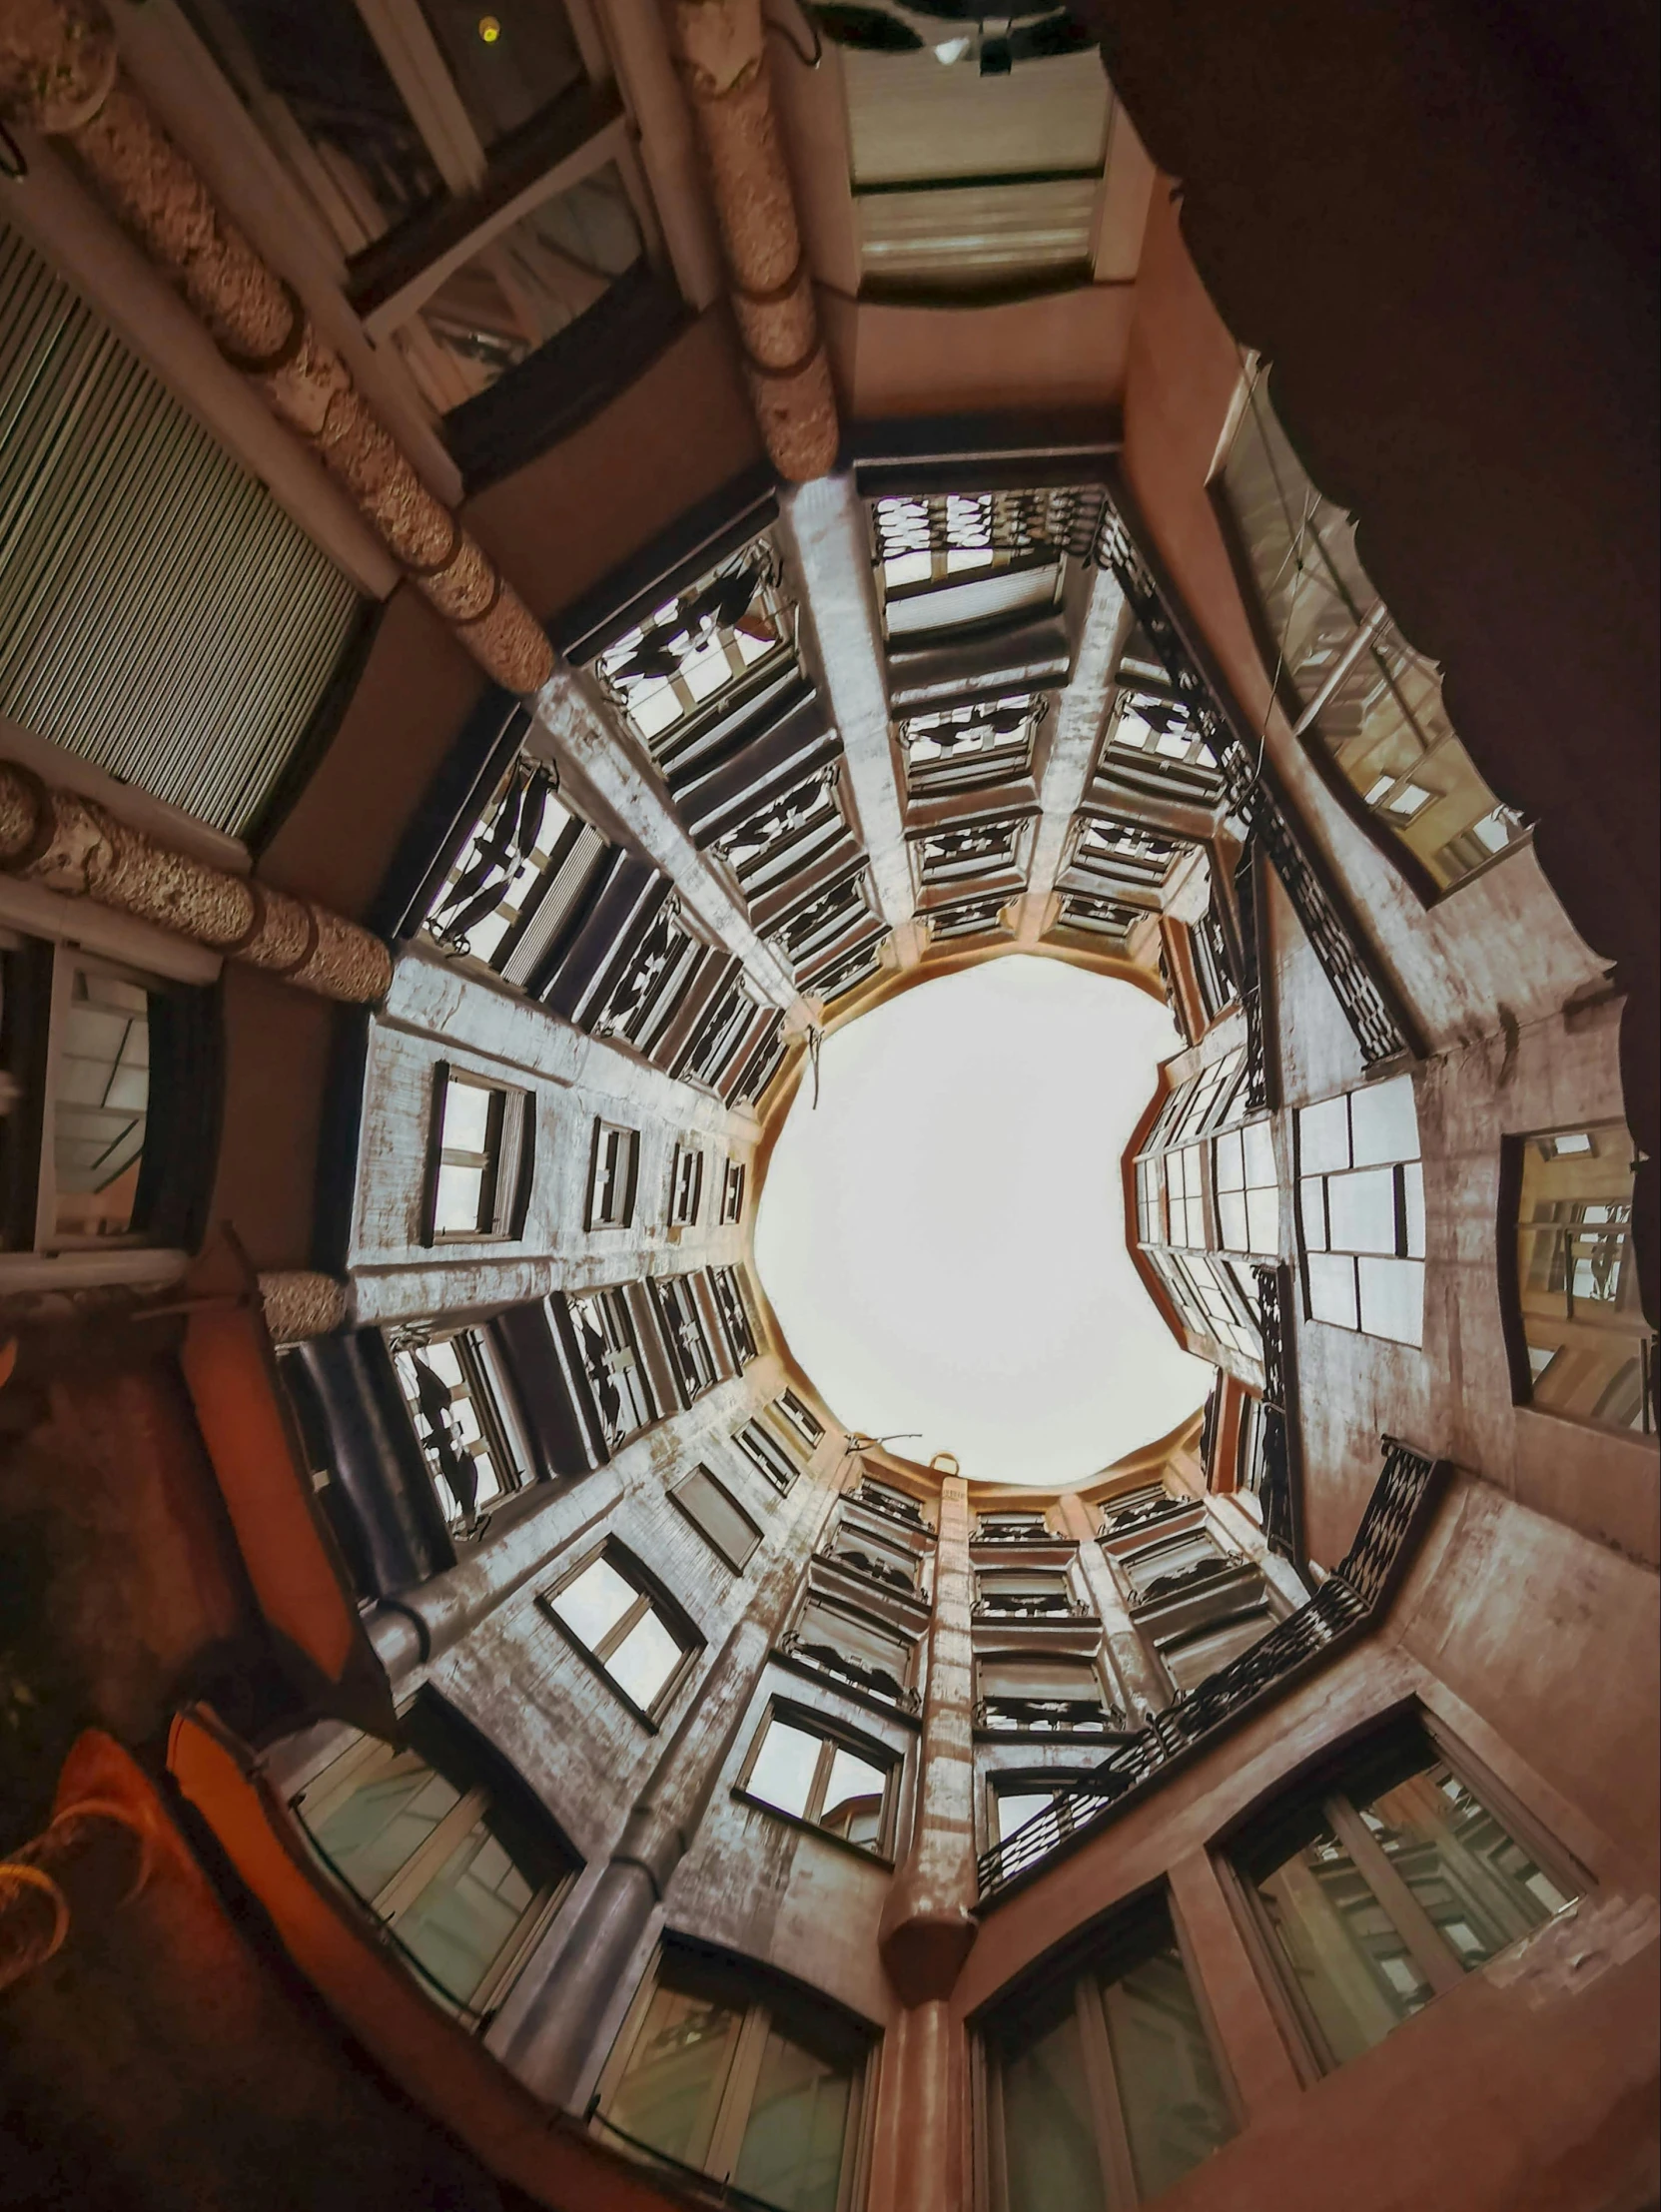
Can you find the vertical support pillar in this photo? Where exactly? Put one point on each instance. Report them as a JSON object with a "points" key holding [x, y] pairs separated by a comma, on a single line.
{"points": [[1137, 1676], [927, 1928]]}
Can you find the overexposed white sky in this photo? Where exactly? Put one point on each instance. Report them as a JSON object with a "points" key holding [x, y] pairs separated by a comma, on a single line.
{"points": [[943, 1240]]}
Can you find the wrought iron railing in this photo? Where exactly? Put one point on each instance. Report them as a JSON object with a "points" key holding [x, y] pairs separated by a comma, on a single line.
{"points": [[1015, 1532], [1275, 1491], [1181, 1581], [1147, 1513], [1050, 1717], [1376, 1022], [897, 1509], [873, 1570], [1031, 1605], [1063, 519], [1347, 1604], [876, 1682]]}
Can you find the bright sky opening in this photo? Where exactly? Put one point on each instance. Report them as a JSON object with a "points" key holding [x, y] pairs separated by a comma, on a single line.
{"points": [[943, 1239]]}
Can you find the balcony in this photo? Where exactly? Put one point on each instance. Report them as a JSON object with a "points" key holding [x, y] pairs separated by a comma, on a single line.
{"points": [[1050, 1717]]}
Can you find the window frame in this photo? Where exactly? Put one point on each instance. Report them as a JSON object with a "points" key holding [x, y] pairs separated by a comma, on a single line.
{"points": [[339, 1779], [833, 1734], [737, 1506], [732, 1193], [680, 1322], [686, 1174], [1321, 1779], [652, 1597], [487, 1388], [613, 1176], [1402, 1184], [508, 1159]]}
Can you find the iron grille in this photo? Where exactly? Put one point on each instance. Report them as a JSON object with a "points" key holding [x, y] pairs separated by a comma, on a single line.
{"points": [[1275, 1489], [1065, 519], [1344, 1606]]}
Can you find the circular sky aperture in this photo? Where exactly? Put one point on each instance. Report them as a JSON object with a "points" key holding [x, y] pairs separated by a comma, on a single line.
{"points": [[943, 1238]]}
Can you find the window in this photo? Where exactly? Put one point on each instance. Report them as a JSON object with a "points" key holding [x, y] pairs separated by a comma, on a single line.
{"points": [[609, 1357], [518, 885], [867, 1554], [1360, 1206], [463, 1870], [459, 1402], [962, 748], [1247, 1190], [1173, 1563], [75, 1098], [723, 640], [896, 1504], [741, 2079], [955, 565], [1215, 1297], [485, 192], [641, 1642], [975, 177], [1372, 702], [683, 1332], [1006, 1525], [717, 1516], [1382, 1884], [732, 1193], [801, 1418], [653, 986], [612, 1177], [1115, 856], [1591, 1352], [1018, 1799], [685, 1185], [860, 1651], [1042, 1692], [839, 1783], [734, 1314], [767, 1456], [1190, 1658], [482, 1155], [1030, 1593], [1104, 2089]]}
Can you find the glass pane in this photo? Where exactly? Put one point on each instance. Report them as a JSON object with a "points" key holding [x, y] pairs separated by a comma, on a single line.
{"points": [[785, 1767], [792, 2150], [459, 1202], [643, 1661], [528, 283], [1346, 1957], [1323, 1137], [594, 1601], [1311, 1206], [1360, 1211], [467, 1119], [853, 1799], [1174, 2111], [1051, 2163], [461, 1921], [1263, 1215], [672, 2086], [100, 1095], [384, 1822], [1017, 1807], [1392, 1299], [1331, 1290], [1477, 1883], [1385, 1121]]}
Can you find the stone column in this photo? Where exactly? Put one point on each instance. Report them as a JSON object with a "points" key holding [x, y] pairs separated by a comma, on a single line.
{"points": [[721, 53], [1134, 1668], [79, 849], [927, 1928], [61, 74]]}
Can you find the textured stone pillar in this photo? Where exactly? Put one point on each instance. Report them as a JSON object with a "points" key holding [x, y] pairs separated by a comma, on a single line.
{"points": [[724, 63], [926, 1926], [300, 1305], [60, 73], [76, 848], [92, 1859], [1134, 1668]]}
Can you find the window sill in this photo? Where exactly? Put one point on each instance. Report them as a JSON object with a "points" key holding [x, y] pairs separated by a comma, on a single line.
{"points": [[862, 1851]]}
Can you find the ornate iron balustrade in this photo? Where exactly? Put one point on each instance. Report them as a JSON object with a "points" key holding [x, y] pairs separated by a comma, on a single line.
{"points": [[1274, 1492], [1148, 1514], [1250, 980], [874, 1570], [1180, 1580], [1377, 1026], [1065, 519], [1015, 1532], [876, 1682], [1050, 1717], [897, 1509], [1347, 1603], [1031, 1605]]}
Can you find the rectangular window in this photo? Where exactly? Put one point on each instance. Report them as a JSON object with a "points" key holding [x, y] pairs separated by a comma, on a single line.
{"points": [[1590, 1351], [1023, 1594], [613, 1176], [829, 1780], [767, 1456], [856, 1547], [717, 1516], [732, 1193], [1006, 1525], [685, 1187], [744, 2083], [734, 1311], [963, 748], [460, 1406], [801, 1418], [1043, 1692], [859, 1650], [1381, 1884], [683, 1333], [1105, 2089], [640, 1642], [518, 884], [465, 1875], [1247, 1190], [479, 1183], [610, 1356], [1018, 1799], [1360, 1209]]}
